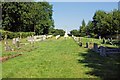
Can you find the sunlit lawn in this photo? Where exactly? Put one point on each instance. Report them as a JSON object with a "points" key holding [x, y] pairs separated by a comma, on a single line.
{"points": [[53, 59]]}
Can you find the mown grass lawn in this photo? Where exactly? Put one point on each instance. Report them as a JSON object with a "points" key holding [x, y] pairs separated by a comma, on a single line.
{"points": [[58, 59]]}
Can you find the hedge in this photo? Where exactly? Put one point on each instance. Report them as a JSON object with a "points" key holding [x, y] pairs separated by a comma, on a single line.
{"points": [[11, 35]]}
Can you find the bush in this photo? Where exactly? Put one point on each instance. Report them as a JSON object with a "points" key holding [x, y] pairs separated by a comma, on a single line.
{"points": [[11, 35], [25, 34], [75, 33], [59, 32]]}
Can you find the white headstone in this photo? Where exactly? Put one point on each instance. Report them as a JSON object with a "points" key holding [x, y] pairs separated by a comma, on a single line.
{"points": [[14, 41], [57, 36]]}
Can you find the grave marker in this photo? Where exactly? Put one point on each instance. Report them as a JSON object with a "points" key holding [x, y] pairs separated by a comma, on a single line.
{"points": [[102, 51], [103, 41], [7, 47], [58, 36], [80, 44], [86, 45], [14, 41], [99, 37], [95, 47], [17, 42]]}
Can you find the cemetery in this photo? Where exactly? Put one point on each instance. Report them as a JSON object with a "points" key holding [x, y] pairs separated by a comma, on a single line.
{"points": [[32, 46], [47, 52]]}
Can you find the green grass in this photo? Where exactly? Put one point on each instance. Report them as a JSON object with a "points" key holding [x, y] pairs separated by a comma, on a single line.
{"points": [[58, 59]]}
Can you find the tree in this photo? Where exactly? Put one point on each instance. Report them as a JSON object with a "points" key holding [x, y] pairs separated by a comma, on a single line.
{"points": [[60, 32], [98, 22], [83, 28], [27, 17], [106, 24], [116, 21], [75, 32], [90, 27]]}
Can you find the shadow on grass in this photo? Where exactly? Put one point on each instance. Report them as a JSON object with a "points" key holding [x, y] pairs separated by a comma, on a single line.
{"points": [[103, 67]]}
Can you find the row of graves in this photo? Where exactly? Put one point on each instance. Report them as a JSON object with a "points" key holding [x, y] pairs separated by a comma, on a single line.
{"points": [[19, 46], [30, 40], [79, 41], [102, 50], [10, 47], [16, 42]]}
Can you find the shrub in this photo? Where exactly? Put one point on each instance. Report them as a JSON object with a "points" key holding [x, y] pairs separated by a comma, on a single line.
{"points": [[11, 35]]}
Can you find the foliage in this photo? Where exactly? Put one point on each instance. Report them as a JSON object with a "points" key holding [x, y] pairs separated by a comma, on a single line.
{"points": [[75, 32], [60, 32], [27, 17], [11, 35], [106, 23], [83, 29], [103, 24]]}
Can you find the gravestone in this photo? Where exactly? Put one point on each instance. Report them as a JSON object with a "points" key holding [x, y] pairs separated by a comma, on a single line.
{"points": [[80, 44], [49, 36], [72, 35], [86, 45], [7, 47], [99, 37], [108, 39], [14, 41], [17, 43], [95, 47], [6, 43], [44, 37], [103, 41], [58, 36], [102, 51], [32, 40]]}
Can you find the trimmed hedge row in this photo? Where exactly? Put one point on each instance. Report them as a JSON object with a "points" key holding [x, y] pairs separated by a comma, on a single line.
{"points": [[11, 35]]}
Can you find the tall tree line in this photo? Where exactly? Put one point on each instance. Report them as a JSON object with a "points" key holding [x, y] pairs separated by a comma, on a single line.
{"points": [[27, 17], [106, 23], [103, 24]]}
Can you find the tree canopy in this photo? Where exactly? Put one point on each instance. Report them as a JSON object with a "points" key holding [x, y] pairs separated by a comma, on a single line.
{"points": [[103, 24], [75, 32], [27, 17]]}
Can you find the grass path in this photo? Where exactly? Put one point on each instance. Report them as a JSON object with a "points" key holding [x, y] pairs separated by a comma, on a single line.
{"points": [[52, 59]]}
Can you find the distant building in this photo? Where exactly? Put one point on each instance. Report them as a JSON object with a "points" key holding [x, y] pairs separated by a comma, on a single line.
{"points": [[119, 5]]}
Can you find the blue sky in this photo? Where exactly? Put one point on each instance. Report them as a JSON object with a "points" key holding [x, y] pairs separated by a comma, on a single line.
{"points": [[69, 15]]}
